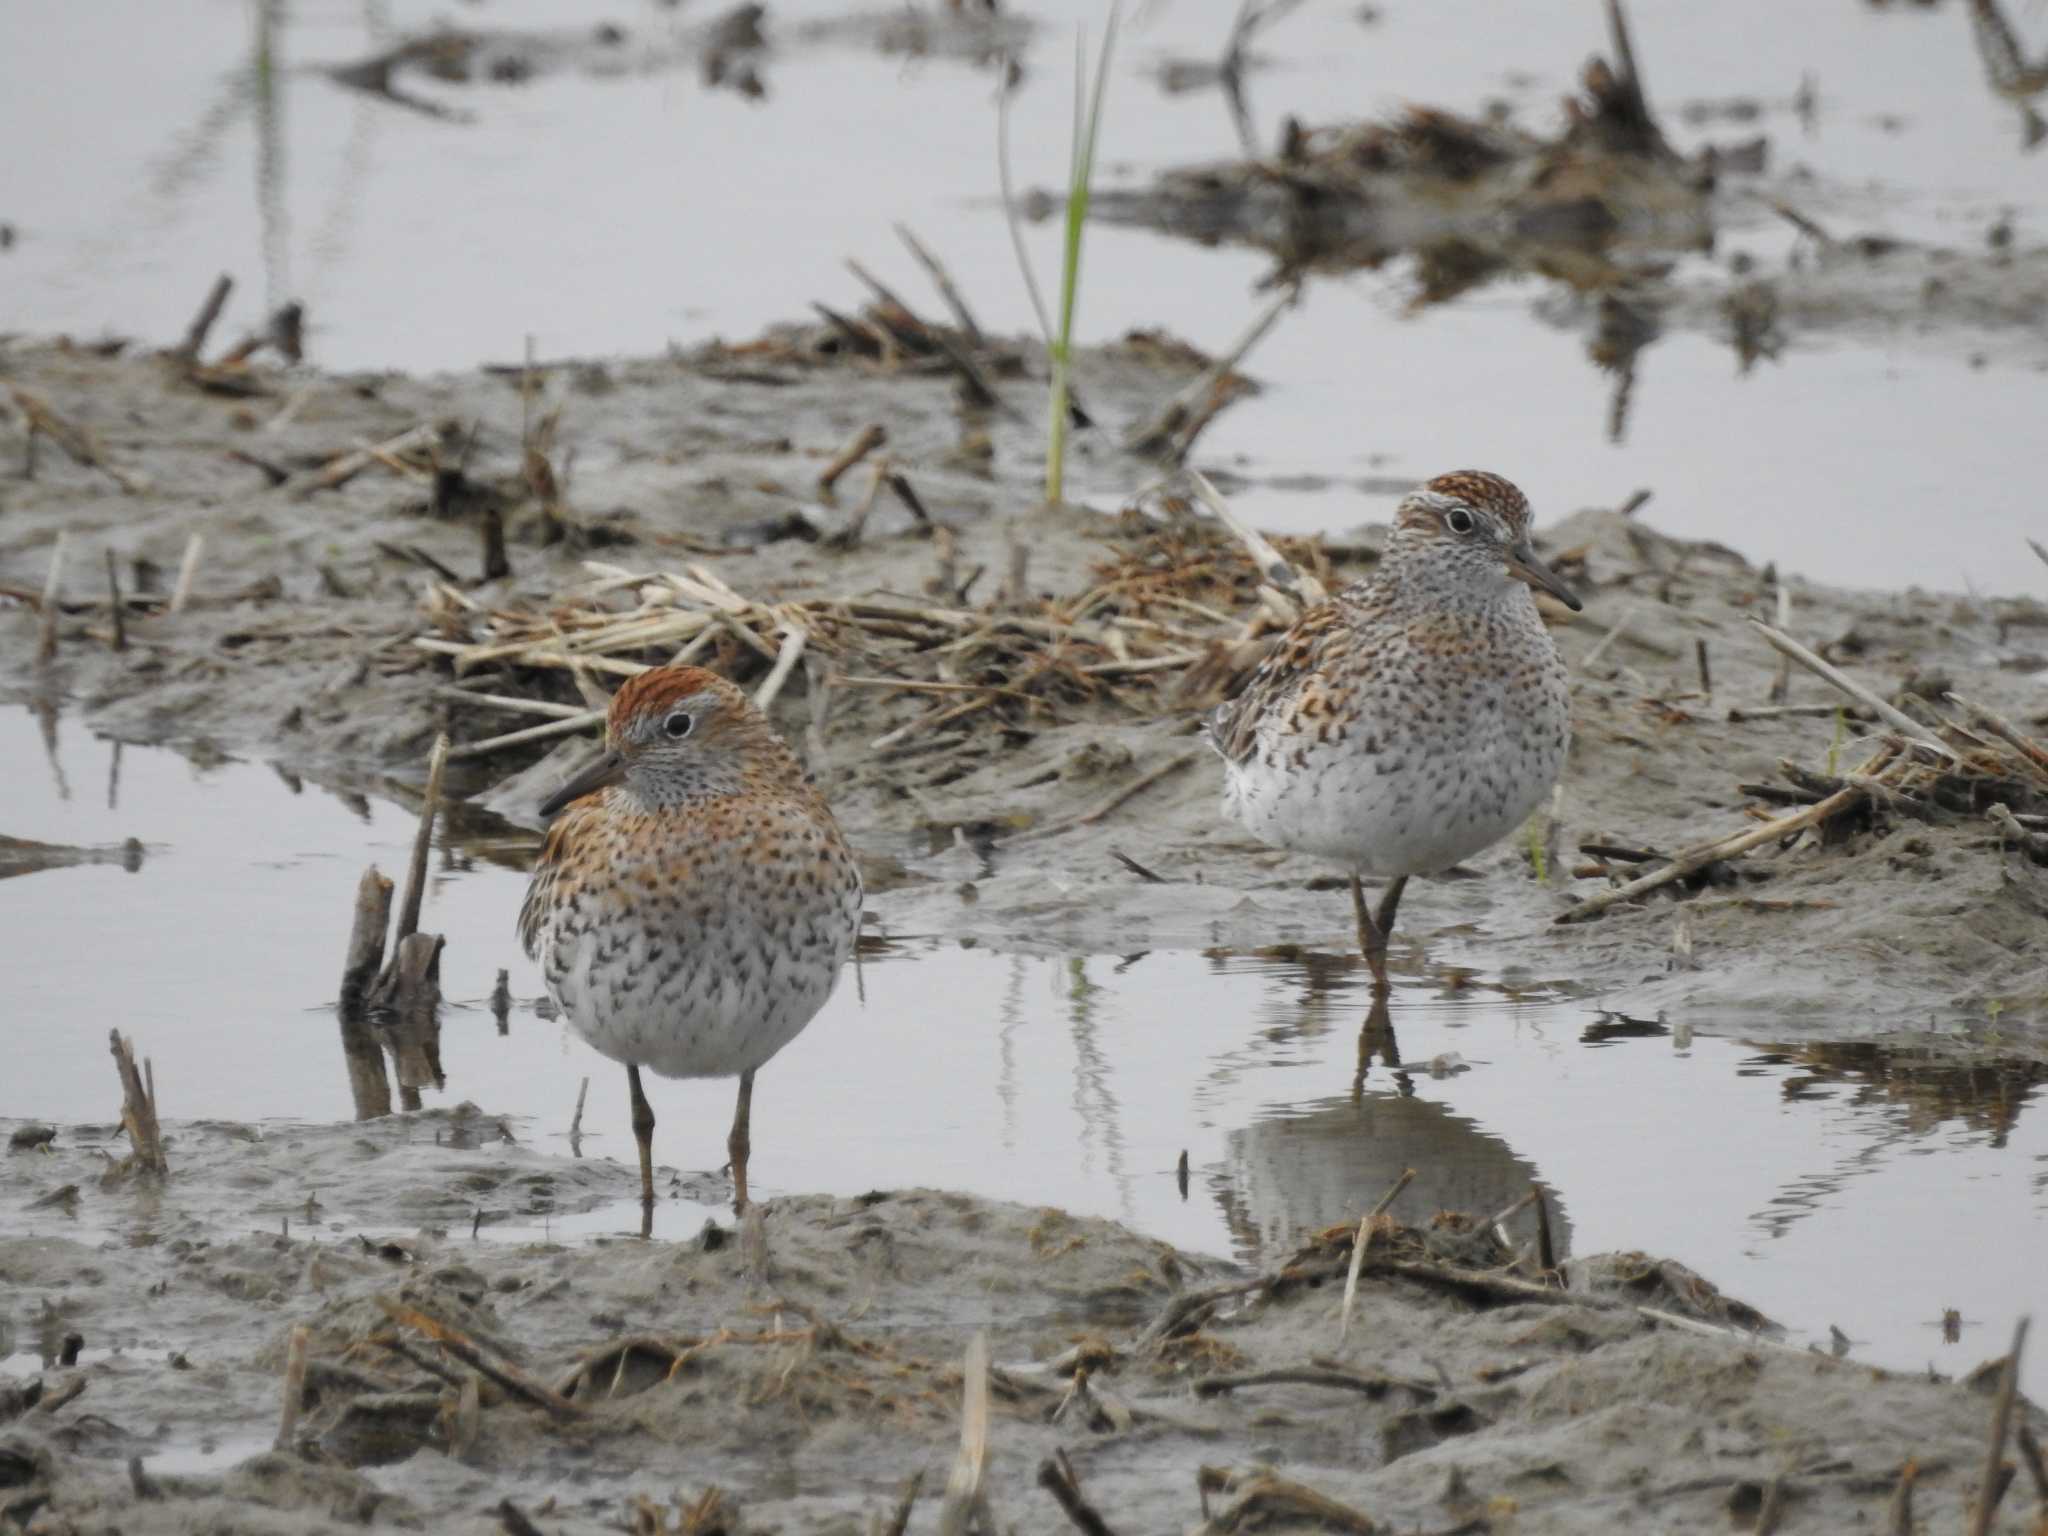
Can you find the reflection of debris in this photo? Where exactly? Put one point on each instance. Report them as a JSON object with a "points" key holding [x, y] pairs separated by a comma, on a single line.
{"points": [[1476, 195], [1621, 332], [1752, 311], [1933, 1089], [2007, 70], [731, 50], [25, 856]]}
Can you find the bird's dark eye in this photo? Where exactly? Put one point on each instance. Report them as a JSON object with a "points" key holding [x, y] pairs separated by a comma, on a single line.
{"points": [[678, 725], [1458, 520]]}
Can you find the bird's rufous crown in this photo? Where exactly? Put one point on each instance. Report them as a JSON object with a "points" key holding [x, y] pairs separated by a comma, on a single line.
{"points": [[661, 687], [1486, 491]]}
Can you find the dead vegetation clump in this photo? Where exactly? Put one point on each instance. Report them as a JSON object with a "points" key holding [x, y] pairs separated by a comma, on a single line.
{"points": [[1961, 763], [1158, 629]]}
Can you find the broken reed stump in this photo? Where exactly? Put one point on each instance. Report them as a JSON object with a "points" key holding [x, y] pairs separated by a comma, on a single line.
{"points": [[368, 1083], [189, 349], [294, 1386], [966, 1493], [138, 1107], [46, 637], [404, 999]]}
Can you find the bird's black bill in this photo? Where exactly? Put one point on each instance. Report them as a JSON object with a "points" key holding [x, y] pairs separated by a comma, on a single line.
{"points": [[608, 769], [1525, 565]]}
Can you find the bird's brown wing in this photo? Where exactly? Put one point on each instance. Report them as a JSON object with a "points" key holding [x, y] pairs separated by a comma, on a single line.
{"points": [[1289, 682], [540, 893]]}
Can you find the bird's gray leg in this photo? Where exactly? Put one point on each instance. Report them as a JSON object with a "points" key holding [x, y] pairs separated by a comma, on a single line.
{"points": [[1373, 931], [643, 1132], [1368, 936], [736, 1145], [1390, 903]]}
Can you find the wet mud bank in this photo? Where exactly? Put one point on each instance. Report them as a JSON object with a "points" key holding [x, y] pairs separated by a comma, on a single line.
{"points": [[453, 1369], [1001, 701]]}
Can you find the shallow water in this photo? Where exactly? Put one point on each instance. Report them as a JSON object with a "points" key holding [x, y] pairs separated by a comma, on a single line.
{"points": [[1788, 1176], [619, 214]]}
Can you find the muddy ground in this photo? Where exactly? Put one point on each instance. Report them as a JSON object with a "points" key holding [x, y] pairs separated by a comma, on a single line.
{"points": [[806, 1369], [300, 642], [812, 1382]]}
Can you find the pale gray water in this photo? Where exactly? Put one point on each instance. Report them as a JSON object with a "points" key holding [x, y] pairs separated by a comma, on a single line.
{"points": [[1074, 1083], [617, 215]]}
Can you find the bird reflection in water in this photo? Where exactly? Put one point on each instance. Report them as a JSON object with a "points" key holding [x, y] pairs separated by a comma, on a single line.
{"points": [[1299, 1169]]}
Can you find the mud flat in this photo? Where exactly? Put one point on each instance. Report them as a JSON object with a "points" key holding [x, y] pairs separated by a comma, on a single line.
{"points": [[990, 742], [461, 1372]]}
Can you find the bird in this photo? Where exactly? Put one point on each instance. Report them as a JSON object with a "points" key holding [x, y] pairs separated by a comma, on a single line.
{"points": [[694, 900], [1419, 715]]}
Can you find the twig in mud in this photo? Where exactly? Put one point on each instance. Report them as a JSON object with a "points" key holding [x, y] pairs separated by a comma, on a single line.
{"points": [[511, 702], [2037, 1467], [347, 466], [962, 315], [1360, 1242], [138, 1109], [568, 726], [1897, 718], [1606, 641], [862, 443], [1546, 1247], [794, 638], [491, 533], [2039, 549], [1136, 868], [188, 568], [1169, 432], [1740, 713], [1056, 1476], [1803, 224], [294, 1385], [2004, 730], [472, 1354], [1688, 860], [1273, 567], [1699, 647], [64, 1394], [422, 843], [79, 444], [1263, 1498], [1374, 1386], [899, 1522], [1772, 1509], [1994, 1480], [981, 388], [189, 349], [140, 1483], [964, 1492], [1899, 1517], [1185, 1312], [1114, 803], [46, 635], [1781, 680], [413, 554]]}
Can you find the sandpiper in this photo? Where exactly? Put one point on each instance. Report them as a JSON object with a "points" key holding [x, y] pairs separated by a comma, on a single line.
{"points": [[693, 905], [1418, 716]]}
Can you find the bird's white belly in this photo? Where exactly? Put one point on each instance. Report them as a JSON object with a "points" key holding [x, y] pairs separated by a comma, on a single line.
{"points": [[1401, 811], [714, 1007]]}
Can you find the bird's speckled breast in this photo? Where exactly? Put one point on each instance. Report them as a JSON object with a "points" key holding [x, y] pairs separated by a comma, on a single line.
{"points": [[1437, 736], [705, 949]]}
